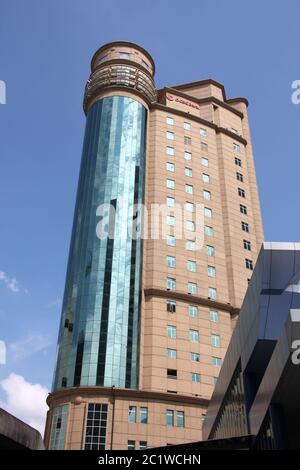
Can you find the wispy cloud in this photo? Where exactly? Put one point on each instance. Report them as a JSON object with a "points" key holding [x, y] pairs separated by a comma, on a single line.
{"points": [[29, 345], [25, 400], [10, 282], [54, 303]]}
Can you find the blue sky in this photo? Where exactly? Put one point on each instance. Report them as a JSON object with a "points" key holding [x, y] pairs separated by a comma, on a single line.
{"points": [[45, 52]]}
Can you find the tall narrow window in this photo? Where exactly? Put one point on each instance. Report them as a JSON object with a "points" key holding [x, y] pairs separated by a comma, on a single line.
{"points": [[132, 414], [170, 418], [96, 426], [144, 415], [180, 419]]}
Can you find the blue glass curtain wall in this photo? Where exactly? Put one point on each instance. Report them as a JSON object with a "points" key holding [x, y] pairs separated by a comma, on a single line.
{"points": [[99, 332]]}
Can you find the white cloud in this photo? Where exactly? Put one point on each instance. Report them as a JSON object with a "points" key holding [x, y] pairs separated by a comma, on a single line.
{"points": [[25, 400], [10, 282], [32, 344]]}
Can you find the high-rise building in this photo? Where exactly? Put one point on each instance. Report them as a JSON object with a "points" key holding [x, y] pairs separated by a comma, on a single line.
{"points": [[146, 321]]}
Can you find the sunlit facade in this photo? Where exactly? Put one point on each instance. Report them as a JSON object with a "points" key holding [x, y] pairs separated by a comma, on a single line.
{"points": [[146, 322]]}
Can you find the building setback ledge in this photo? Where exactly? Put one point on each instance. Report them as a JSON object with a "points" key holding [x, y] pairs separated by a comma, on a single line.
{"points": [[195, 299], [71, 393]]}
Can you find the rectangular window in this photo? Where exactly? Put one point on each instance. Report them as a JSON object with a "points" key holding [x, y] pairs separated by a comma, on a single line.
{"points": [[243, 209], [195, 357], [170, 167], [172, 374], [203, 132], [170, 135], [212, 293], [180, 419], [196, 377], [170, 121], [193, 311], [204, 147], [187, 140], [186, 126], [236, 148], [207, 195], [170, 184], [144, 415], [241, 192], [130, 445], [249, 264], [171, 306], [187, 156], [190, 225], [188, 172], [214, 380], [170, 418], [216, 361], [238, 161], [190, 245], [209, 231], [204, 161], [132, 414], [170, 151], [171, 240], [189, 206], [171, 261], [189, 188], [170, 201], [210, 250], [211, 271], [170, 220], [124, 55], [205, 178], [247, 245], [215, 341], [245, 227], [143, 445], [192, 266], [96, 426], [207, 212], [214, 316], [192, 288], [171, 283], [171, 331], [239, 176], [171, 353], [194, 336], [59, 425]]}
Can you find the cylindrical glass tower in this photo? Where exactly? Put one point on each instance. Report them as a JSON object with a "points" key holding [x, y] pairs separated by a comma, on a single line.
{"points": [[99, 331]]}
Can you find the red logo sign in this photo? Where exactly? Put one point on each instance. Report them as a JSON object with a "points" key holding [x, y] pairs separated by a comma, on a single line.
{"points": [[180, 100]]}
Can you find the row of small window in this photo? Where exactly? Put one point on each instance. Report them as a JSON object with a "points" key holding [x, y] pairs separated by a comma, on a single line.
{"points": [[132, 445], [188, 172], [187, 140], [191, 244], [203, 133], [186, 125], [195, 376], [133, 414], [193, 311], [192, 288], [122, 55], [170, 202], [189, 189], [195, 357], [191, 266], [193, 336]]}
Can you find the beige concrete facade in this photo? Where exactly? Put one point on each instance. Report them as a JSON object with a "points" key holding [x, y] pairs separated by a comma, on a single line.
{"points": [[215, 134]]}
